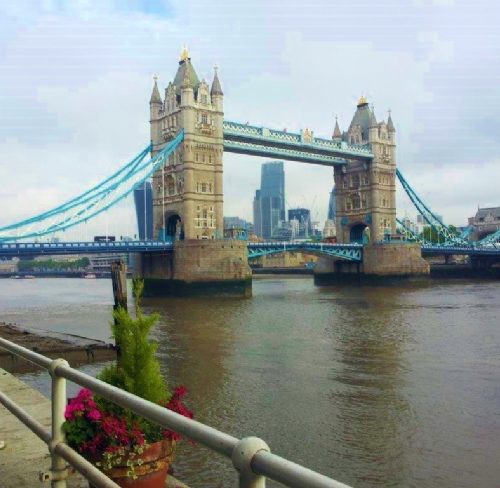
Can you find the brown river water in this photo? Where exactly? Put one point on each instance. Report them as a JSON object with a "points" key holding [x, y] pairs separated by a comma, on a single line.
{"points": [[375, 386]]}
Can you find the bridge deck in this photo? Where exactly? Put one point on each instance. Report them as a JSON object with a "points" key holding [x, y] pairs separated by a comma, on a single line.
{"points": [[352, 252], [58, 248], [303, 147]]}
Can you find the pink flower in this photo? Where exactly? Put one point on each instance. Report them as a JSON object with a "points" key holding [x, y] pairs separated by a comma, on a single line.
{"points": [[94, 414], [85, 394], [74, 409]]}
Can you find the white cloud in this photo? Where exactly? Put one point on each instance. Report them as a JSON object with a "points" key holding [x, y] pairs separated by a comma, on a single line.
{"points": [[76, 81]]}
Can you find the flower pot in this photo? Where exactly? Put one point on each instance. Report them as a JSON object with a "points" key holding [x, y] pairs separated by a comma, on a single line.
{"points": [[150, 473]]}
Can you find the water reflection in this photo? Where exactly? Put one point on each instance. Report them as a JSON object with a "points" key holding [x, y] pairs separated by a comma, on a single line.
{"points": [[374, 386], [374, 420], [195, 340]]}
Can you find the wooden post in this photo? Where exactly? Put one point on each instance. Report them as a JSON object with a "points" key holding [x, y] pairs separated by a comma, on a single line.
{"points": [[119, 281]]}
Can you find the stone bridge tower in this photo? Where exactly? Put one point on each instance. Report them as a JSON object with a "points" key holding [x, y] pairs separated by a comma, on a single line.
{"points": [[187, 192], [366, 192]]}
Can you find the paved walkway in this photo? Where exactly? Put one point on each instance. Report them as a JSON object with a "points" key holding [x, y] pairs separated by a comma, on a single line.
{"points": [[24, 454]]}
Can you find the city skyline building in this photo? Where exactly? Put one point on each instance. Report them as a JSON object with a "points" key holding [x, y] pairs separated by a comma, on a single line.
{"points": [[237, 223], [302, 216], [143, 200], [269, 201], [332, 205]]}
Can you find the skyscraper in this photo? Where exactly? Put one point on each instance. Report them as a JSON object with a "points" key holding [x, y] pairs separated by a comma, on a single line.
{"points": [[303, 217], [332, 205], [143, 199], [269, 202]]}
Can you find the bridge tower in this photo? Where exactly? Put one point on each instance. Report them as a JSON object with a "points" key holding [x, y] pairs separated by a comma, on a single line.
{"points": [[366, 192], [187, 192]]}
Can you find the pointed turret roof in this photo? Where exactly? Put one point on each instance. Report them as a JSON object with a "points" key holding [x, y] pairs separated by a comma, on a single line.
{"points": [[390, 125], [155, 94], [363, 117], [336, 131], [185, 71], [216, 88]]}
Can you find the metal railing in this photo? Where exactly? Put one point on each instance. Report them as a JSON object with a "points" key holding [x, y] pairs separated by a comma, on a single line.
{"points": [[251, 456]]}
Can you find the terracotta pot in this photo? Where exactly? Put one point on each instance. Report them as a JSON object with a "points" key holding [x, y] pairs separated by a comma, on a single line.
{"points": [[152, 473]]}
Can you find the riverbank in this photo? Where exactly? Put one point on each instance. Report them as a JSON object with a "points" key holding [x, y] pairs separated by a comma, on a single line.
{"points": [[75, 349]]}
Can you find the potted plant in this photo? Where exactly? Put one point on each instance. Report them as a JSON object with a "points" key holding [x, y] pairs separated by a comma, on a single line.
{"points": [[131, 450]]}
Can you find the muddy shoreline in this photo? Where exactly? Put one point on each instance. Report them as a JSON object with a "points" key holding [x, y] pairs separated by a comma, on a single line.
{"points": [[75, 349]]}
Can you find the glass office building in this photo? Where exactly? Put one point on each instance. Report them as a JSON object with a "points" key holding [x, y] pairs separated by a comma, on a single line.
{"points": [[269, 201]]}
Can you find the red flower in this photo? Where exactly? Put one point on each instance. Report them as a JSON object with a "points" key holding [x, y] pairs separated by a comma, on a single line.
{"points": [[176, 405]]}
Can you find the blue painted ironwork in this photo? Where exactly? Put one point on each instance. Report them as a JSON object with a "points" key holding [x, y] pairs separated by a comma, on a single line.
{"points": [[12, 249], [95, 191], [428, 215], [466, 250], [290, 154], [349, 252], [467, 232], [491, 239], [261, 141], [94, 201], [409, 234]]}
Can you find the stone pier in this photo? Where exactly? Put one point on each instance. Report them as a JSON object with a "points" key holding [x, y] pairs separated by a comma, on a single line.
{"points": [[380, 261], [198, 267]]}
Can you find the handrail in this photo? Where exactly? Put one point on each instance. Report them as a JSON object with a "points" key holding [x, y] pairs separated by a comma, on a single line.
{"points": [[87, 469], [251, 456]]}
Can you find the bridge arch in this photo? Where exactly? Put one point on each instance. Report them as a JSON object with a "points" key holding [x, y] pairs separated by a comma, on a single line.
{"points": [[359, 233], [173, 227]]}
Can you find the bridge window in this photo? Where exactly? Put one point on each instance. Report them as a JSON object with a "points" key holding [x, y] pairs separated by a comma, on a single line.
{"points": [[202, 158], [344, 182], [356, 201], [204, 99], [355, 181], [204, 118], [367, 179], [170, 185], [210, 159], [196, 157]]}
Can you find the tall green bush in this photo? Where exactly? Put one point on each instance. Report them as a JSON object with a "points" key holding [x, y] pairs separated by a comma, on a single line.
{"points": [[137, 369]]}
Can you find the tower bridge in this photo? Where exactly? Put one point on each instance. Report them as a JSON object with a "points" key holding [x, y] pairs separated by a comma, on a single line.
{"points": [[188, 139]]}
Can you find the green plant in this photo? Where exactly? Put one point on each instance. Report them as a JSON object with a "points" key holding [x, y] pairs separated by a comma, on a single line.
{"points": [[95, 426]]}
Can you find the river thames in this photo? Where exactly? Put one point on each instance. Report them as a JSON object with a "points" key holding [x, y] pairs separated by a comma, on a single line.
{"points": [[374, 386]]}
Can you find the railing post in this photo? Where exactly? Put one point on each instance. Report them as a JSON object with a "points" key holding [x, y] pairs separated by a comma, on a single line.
{"points": [[243, 454], [59, 469]]}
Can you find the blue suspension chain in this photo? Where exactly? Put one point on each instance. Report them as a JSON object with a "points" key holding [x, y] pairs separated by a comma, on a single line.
{"points": [[135, 168]]}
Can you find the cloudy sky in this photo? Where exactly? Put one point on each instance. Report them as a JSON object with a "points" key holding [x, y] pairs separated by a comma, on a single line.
{"points": [[76, 76]]}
